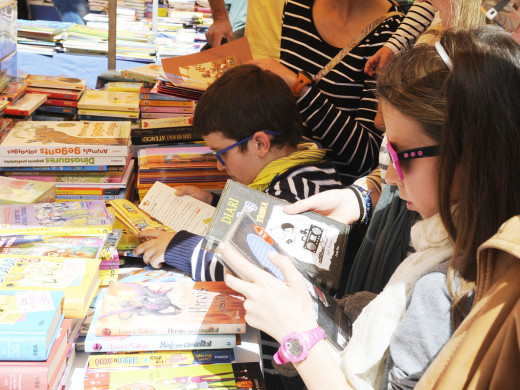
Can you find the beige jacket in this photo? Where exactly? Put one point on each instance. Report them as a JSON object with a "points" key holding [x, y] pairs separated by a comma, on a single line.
{"points": [[484, 352]]}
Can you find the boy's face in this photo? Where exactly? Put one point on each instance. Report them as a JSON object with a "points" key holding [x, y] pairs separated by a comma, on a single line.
{"points": [[240, 166]]}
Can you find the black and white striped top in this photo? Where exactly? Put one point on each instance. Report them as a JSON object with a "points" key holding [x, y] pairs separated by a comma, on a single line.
{"points": [[418, 18], [340, 110]]}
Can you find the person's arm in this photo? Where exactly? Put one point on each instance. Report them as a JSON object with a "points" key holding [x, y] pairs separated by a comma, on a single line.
{"points": [[221, 27], [279, 308]]}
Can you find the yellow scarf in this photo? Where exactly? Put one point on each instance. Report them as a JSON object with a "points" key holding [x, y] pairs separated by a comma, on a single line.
{"points": [[307, 153]]}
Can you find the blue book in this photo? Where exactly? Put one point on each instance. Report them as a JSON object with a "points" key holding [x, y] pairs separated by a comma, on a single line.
{"points": [[29, 323]]}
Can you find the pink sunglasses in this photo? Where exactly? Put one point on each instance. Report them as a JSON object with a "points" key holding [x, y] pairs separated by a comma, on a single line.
{"points": [[398, 157]]}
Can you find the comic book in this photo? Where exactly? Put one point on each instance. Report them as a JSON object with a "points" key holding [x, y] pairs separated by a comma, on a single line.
{"points": [[135, 219]]}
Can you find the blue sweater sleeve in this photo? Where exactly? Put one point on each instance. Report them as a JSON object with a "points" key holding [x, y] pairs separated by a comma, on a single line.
{"points": [[184, 252]]}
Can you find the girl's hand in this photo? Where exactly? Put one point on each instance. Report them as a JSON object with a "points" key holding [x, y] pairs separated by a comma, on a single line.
{"points": [[340, 205], [154, 246], [194, 192], [275, 307], [274, 66]]}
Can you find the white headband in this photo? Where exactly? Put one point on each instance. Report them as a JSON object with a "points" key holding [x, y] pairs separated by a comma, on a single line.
{"points": [[444, 56]]}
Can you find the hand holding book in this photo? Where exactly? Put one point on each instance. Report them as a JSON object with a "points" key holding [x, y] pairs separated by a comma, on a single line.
{"points": [[154, 246]]}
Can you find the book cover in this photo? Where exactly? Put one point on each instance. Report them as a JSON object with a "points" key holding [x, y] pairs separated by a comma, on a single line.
{"points": [[166, 122], [56, 93], [76, 277], [24, 191], [177, 212], [117, 101], [58, 82], [135, 219], [57, 162], [26, 105], [149, 73], [214, 376], [88, 247], [132, 308], [253, 241], [24, 375], [174, 358], [28, 323], [72, 218], [195, 155], [317, 242], [67, 139]]}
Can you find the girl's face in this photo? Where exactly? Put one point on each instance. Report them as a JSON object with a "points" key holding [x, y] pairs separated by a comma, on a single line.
{"points": [[418, 185]]}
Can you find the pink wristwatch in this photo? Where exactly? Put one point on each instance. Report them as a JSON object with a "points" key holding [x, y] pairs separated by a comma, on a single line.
{"points": [[296, 345]]}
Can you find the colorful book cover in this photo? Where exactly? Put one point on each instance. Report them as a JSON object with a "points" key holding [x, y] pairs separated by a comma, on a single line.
{"points": [[25, 191], [135, 219], [131, 308], [174, 358], [317, 242], [209, 376], [77, 277], [56, 93], [26, 105], [72, 218], [28, 323], [101, 100], [176, 156], [67, 139], [27, 375], [58, 82], [88, 247]]}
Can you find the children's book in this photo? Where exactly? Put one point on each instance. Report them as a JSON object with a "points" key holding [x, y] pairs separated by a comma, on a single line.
{"points": [[177, 212], [166, 122], [157, 359], [67, 139], [206, 376], [148, 73], [71, 218], [56, 93], [25, 191], [61, 102], [28, 323], [13, 91], [58, 82], [173, 137], [135, 219], [167, 103], [27, 375], [26, 105], [106, 100], [174, 110], [150, 274], [76, 277], [317, 242], [55, 162], [88, 247], [125, 115], [155, 308], [251, 240]]}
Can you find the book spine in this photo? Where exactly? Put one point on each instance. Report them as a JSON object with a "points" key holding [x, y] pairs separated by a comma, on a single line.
{"points": [[165, 138], [23, 347], [166, 122], [64, 151], [104, 118], [61, 102], [23, 377], [166, 103], [57, 109], [158, 97], [162, 328], [17, 111], [86, 191], [55, 230], [175, 110], [61, 169], [158, 343], [162, 115], [109, 114], [61, 161], [161, 131], [55, 95]]}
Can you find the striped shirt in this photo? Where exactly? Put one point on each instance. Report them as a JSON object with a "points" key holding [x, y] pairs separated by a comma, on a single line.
{"points": [[340, 110]]}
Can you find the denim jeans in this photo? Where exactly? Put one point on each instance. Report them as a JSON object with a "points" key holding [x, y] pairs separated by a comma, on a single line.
{"points": [[72, 10]]}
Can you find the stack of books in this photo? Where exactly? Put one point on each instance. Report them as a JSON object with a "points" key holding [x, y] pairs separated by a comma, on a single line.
{"points": [[13, 90], [109, 105], [164, 131], [176, 165], [155, 105], [41, 36], [21, 105], [85, 160], [62, 94]]}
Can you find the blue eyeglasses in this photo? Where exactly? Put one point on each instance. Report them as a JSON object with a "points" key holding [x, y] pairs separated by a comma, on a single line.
{"points": [[220, 152]]}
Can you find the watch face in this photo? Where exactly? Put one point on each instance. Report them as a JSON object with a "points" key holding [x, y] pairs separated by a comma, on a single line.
{"points": [[293, 347]]}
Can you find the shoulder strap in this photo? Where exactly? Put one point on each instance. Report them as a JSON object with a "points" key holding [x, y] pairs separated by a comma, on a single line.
{"points": [[354, 42]]}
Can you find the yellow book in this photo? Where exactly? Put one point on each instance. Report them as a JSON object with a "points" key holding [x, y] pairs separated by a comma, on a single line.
{"points": [[121, 86], [67, 218], [134, 218], [61, 82], [110, 114], [25, 191], [111, 100], [76, 277]]}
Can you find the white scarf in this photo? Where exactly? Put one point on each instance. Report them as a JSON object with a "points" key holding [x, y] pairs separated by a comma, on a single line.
{"points": [[363, 360]]}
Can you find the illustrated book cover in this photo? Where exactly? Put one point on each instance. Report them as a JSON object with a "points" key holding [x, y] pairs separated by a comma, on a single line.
{"points": [[72, 218], [131, 308], [208, 376], [135, 219], [111, 100], [30, 375], [251, 240], [58, 82], [316, 241], [176, 212], [67, 139], [28, 323], [76, 277], [25, 191]]}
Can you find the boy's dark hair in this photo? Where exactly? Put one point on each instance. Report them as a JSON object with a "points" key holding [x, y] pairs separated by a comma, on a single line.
{"points": [[247, 99]]}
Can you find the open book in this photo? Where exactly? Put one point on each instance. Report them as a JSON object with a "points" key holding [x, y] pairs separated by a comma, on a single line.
{"points": [[253, 242]]}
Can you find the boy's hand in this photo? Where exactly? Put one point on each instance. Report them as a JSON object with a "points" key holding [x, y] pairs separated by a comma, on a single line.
{"points": [[154, 246], [194, 192]]}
